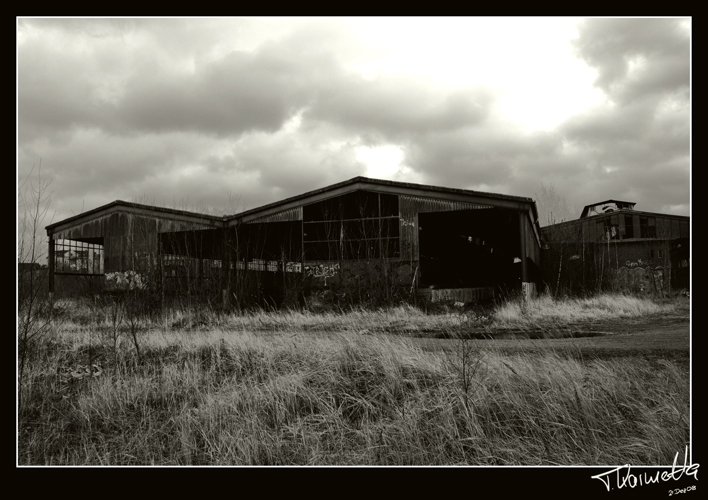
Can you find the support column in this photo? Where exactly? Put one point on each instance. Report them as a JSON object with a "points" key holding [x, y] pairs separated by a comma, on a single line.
{"points": [[50, 264], [522, 236], [161, 271], [528, 288], [225, 269]]}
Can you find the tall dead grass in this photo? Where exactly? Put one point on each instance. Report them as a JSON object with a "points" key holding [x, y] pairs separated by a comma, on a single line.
{"points": [[229, 396], [547, 311], [544, 312]]}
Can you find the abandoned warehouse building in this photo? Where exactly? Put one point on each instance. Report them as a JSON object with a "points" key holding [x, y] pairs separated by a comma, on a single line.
{"points": [[363, 238], [613, 246]]}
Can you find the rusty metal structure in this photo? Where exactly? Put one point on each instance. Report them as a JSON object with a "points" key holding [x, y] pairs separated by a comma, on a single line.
{"points": [[359, 236], [614, 246]]}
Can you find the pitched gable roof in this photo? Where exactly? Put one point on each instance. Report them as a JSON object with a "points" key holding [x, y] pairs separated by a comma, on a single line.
{"points": [[386, 186]]}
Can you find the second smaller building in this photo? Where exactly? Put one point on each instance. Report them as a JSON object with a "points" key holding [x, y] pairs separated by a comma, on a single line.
{"points": [[612, 246]]}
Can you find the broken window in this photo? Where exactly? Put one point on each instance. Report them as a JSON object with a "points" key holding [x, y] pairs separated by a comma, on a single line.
{"points": [[647, 227], [78, 257], [608, 228], [628, 226], [357, 225]]}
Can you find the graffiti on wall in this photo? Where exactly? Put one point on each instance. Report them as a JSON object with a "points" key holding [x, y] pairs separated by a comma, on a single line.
{"points": [[293, 267], [637, 263], [128, 280], [639, 276], [325, 271], [269, 265]]}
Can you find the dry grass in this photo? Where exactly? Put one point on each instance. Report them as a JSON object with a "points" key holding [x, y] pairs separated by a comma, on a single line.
{"points": [[404, 319], [262, 389], [540, 314], [546, 312]]}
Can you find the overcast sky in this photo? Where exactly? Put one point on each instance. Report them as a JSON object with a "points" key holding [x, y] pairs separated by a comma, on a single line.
{"points": [[225, 114]]}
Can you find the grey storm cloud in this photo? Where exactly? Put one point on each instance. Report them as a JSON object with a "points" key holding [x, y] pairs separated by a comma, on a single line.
{"points": [[227, 100], [638, 147], [397, 108], [117, 165], [636, 57], [498, 156], [145, 91], [637, 131], [52, 96], [460, 158], [240, 92], [147, 109], [293, 166]]}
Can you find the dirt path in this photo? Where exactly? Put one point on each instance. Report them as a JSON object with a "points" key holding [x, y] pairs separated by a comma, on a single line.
{"points": [[654, 337]]}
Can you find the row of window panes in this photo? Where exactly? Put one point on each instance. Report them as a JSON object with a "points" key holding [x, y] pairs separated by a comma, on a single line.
{"points": [[355, 205], [352, 249], [78, 257], [608, 229], [351, 229]]}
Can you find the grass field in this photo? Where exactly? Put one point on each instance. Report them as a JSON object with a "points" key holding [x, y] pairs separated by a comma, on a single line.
{"points": [[338, 389]]}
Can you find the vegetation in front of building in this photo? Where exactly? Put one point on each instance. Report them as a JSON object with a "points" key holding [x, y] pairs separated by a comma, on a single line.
{"points": [[105, 386]]}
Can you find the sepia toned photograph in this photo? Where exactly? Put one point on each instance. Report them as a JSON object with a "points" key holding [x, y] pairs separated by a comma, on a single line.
{"points": [[356, 242]]}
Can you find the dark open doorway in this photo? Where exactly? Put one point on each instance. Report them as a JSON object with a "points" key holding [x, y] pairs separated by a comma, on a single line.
{"points": [[469, 248]]}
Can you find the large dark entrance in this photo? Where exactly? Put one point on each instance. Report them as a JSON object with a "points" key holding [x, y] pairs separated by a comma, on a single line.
{"points": [[469, 248]]}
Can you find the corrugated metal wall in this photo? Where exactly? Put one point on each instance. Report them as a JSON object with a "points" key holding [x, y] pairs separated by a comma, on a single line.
{"points": [[126, 237], [409, 207], [292, 214], [533, 250]]}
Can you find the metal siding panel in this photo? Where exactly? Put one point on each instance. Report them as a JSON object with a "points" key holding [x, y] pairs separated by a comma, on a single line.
{"points": [[172, 226], [104, 226], [685, 228], [292, 214], [408, 228], [91, 229], [126, 252], [531, 243], [675, 229], [113, 225], [423, 205], [414, 238], [663, 227], [97, 229], [143, 234], [119, 252], [121, 227], [167, 226], [110, 254], [152, 231]]}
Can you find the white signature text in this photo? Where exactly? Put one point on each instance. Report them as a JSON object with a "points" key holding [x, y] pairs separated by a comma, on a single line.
{"points": [[623, 476]]}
